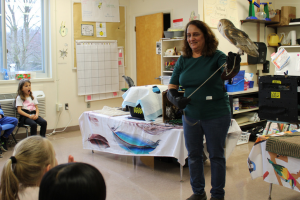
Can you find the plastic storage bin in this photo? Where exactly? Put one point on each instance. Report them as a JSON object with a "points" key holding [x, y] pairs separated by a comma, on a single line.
{"points": [[238, 77], [169, 34], [235, 87], [178, 33], [166, 80], [244, 138], [251, 83]]}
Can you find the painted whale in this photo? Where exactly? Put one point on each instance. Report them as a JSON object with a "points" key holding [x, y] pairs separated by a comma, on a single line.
{"points": [[133, 144]]}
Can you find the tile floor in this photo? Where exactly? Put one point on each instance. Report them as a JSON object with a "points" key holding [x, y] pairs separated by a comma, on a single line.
{"points": [[126, 181]]}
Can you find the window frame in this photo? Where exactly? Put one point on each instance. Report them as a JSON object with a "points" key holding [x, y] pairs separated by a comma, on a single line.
{"points": [[46, 73]]}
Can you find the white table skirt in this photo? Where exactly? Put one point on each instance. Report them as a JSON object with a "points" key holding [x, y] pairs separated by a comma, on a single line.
{"points": [[123, 136], [277, 169]]}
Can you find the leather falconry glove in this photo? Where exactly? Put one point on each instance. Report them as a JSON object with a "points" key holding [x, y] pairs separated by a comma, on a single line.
{"points": [[179, 101], [233, 61]]}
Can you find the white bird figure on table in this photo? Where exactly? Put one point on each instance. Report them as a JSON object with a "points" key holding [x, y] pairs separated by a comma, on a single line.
{"points": [[238, 38]]}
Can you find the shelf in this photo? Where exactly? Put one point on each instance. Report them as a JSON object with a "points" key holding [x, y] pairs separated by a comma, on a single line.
{"points": [[294, 23], [278, 25], [245, 110], [168, 71], [170, 40], [289, 46], [244, 64], [250, 90], [171, 56], [258, 21], [247, 123]]}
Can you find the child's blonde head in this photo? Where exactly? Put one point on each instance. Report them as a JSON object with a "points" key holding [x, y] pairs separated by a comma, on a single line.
{"points": [[32, 155], [20, 87]]}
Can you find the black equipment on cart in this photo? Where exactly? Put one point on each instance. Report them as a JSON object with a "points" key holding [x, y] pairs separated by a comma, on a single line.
{"points": [[279, 98]]}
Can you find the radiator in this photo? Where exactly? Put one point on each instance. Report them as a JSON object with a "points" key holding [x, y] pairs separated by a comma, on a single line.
{"points": [[7, 102]]}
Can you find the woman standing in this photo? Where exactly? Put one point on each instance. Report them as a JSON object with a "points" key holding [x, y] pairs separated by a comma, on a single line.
{"points": [[207, 111]]}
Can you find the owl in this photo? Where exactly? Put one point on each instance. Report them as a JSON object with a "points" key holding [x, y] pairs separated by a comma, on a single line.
{"points": [[238, 38]]}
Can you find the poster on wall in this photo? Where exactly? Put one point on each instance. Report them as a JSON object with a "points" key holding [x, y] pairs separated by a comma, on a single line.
{"points": [[100, 10], [214, 10], [101, 29], [87, 30]]}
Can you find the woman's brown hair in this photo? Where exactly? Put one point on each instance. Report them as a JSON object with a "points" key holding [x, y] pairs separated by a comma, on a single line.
{"points": [[20, 92], [211, 42], [32, 156]]}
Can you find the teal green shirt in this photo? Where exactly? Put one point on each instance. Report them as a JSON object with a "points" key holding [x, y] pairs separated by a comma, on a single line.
{"points": [[210, 101]]}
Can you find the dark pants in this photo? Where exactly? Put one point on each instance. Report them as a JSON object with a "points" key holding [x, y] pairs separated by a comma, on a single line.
{"points": [[215, 132], [33, 125], [8, 120]]}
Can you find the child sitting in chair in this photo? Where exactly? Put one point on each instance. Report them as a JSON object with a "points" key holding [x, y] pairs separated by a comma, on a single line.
{"points": [[3, 121], [27, 107]]}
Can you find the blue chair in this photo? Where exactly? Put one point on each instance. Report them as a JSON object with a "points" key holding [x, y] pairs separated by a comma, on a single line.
{"points": [[8, 126]]}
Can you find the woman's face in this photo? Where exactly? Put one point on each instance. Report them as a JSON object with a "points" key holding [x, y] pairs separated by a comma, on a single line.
{"points": [[195, 38]]}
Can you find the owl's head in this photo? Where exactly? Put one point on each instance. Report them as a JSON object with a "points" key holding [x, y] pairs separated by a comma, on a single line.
{"points": [[226, 23]]}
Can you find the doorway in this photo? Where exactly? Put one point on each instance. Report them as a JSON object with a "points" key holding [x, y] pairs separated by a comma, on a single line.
{"points": [[149, 30]]}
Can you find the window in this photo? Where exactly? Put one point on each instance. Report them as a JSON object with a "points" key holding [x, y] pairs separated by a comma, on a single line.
{"points": [[25, 36]]}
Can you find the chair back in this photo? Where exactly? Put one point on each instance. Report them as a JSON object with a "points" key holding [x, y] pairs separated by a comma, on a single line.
{"points": [[129, 81]]}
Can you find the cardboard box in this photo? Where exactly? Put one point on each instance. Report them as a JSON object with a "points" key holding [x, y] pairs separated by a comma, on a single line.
{"points": [[277, 16], [287, 13]]}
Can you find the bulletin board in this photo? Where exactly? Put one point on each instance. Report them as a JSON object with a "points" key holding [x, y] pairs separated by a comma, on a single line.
{"points": [[214, 10], [114, 30]]}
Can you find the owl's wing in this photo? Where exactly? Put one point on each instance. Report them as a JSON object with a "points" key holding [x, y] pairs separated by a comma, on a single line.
{"points": [[242, 41], [229, 36]]}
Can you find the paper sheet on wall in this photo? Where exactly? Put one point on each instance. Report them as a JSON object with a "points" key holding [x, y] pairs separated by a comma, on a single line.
{"points": [[293, 68], [214, 10], [100, 10], [101, 29], [97, 67]]}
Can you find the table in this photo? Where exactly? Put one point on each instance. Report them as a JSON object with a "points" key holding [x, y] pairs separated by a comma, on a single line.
{"points": [[274, 168], [123, 136]]}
